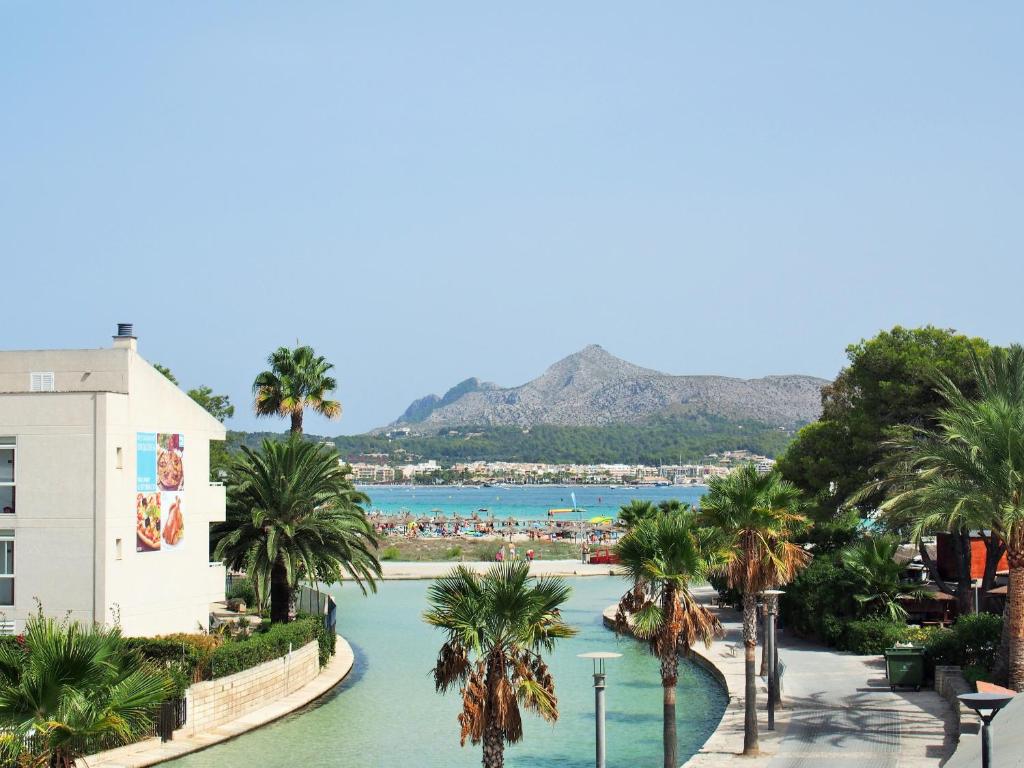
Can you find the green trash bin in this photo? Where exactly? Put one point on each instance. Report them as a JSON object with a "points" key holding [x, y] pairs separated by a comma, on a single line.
{"points": [[905, 666]]}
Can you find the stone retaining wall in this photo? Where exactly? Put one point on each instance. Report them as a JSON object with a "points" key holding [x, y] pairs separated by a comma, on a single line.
{"points": [[215, 702], [950, 683]]}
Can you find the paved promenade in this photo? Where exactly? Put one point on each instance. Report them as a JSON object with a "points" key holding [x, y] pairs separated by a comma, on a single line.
{"points": [[431, 570], [838, 711]]}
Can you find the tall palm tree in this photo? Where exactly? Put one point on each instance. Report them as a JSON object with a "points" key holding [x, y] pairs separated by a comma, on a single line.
{"points": [[496, 626], [661, 556], [756, 515], [875, 578], [77, 690], [297, 379], [293, 513], [971, 467]]}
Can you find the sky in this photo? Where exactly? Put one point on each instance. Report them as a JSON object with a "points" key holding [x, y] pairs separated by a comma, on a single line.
{"points": [[430, 191]]}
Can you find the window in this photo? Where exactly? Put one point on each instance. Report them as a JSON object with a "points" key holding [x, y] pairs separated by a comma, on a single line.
{"points": [[120, 458], [7, 567], [7, 451], [118, 549], [41, 381]]}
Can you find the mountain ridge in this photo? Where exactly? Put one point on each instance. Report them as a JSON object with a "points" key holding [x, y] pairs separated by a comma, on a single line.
{"points": [[593, 387]]}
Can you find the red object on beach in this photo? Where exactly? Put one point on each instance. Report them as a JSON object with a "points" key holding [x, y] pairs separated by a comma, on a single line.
{"points": [[604, 557]]}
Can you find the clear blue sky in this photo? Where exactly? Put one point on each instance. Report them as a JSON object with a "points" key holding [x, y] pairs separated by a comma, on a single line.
{"points": [[430, 191]]}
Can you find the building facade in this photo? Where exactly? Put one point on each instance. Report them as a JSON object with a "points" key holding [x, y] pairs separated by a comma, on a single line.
{"points": [[105, 498]]}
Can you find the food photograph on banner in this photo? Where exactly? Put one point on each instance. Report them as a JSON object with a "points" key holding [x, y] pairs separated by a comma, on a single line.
{"points": [[160, 491]]}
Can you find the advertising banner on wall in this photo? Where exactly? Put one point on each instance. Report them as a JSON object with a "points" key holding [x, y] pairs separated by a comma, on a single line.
{"points": [[159, 491]]}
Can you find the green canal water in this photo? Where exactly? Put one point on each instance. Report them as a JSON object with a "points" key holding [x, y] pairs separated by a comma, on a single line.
{"points": [[386, 714]]}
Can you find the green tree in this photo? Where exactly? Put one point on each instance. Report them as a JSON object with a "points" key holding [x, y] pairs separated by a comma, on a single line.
{"points": [[756, 516], [496, 625], [218, 406], [293, 513], [297, 379], [970, 467], [166, 372], [889, 382], [661, 556], [77, 689]]}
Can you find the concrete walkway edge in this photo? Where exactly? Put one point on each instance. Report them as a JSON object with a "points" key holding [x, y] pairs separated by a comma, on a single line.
{"points": [[152, 751]]}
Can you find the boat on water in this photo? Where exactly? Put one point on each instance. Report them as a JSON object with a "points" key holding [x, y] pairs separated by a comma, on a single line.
{"points": [[566, 511]]}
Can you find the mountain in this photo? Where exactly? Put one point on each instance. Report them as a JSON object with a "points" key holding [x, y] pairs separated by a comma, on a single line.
{"points": [[593, 387]]}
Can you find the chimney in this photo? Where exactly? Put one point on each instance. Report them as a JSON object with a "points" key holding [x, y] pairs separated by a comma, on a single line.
{"points": [[125, 338]]}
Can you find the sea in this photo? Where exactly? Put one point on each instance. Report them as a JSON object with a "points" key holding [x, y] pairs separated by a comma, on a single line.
{"points": [[520, 502]]}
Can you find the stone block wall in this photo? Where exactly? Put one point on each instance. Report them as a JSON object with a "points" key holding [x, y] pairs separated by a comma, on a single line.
{"points": [[950, 683], [215, 702]]}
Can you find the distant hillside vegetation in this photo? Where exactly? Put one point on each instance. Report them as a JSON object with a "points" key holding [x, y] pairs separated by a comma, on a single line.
{"points": [[662, 439]]}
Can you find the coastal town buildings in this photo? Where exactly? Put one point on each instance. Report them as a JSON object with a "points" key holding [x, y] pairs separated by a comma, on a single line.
{"points": [[374, 469], [105, 498]]}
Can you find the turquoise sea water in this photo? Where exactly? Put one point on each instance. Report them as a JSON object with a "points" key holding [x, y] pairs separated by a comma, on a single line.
{"points": [[522, 502], [387, 715]]}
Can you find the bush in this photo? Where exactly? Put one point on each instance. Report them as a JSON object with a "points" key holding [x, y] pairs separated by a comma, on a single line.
{"points": [[978, 636], [817, 594], [267, 645], [243, 590], [832, 629], [390, 552], [186, 657], [872, 636]]}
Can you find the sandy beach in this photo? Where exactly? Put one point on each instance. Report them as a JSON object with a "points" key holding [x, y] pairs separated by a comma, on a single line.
{"points": [[431, 570]]}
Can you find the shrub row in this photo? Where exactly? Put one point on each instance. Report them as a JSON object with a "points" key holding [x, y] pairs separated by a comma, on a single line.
{"points": [[971, 643], [190, 658], [239, 655]]}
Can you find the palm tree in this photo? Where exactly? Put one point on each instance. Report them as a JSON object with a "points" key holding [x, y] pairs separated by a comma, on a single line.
{"points": [[293, 513], [641, 509], [756, 515], [636, 510], [971, 467], [298, 379], [76, 690], [496, 626], [661, 556], [875, 578]]}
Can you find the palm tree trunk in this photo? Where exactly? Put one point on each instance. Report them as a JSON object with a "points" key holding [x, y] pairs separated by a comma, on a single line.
{"points": [[669, 676], [994, 551], [280, 593], [750, 746], [1001, 665], [297, 422], [494, 747], [1015, 616], [964, 582]]}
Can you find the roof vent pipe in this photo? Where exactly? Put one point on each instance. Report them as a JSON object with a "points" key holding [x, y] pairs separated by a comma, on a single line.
{"points": [[125, 330]]}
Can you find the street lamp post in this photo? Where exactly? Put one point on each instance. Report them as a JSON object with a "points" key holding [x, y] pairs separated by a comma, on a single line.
{"points": [[771, 602], [599, 658], [987, 705]]}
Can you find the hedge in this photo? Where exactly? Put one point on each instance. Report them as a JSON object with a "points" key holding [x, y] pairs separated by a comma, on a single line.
{"points": [[185, 657], [239, 655], [191, 658], [971, 643]]}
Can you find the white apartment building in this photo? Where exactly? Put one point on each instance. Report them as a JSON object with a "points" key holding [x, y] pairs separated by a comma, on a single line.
{"points": [[105, 499]]}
